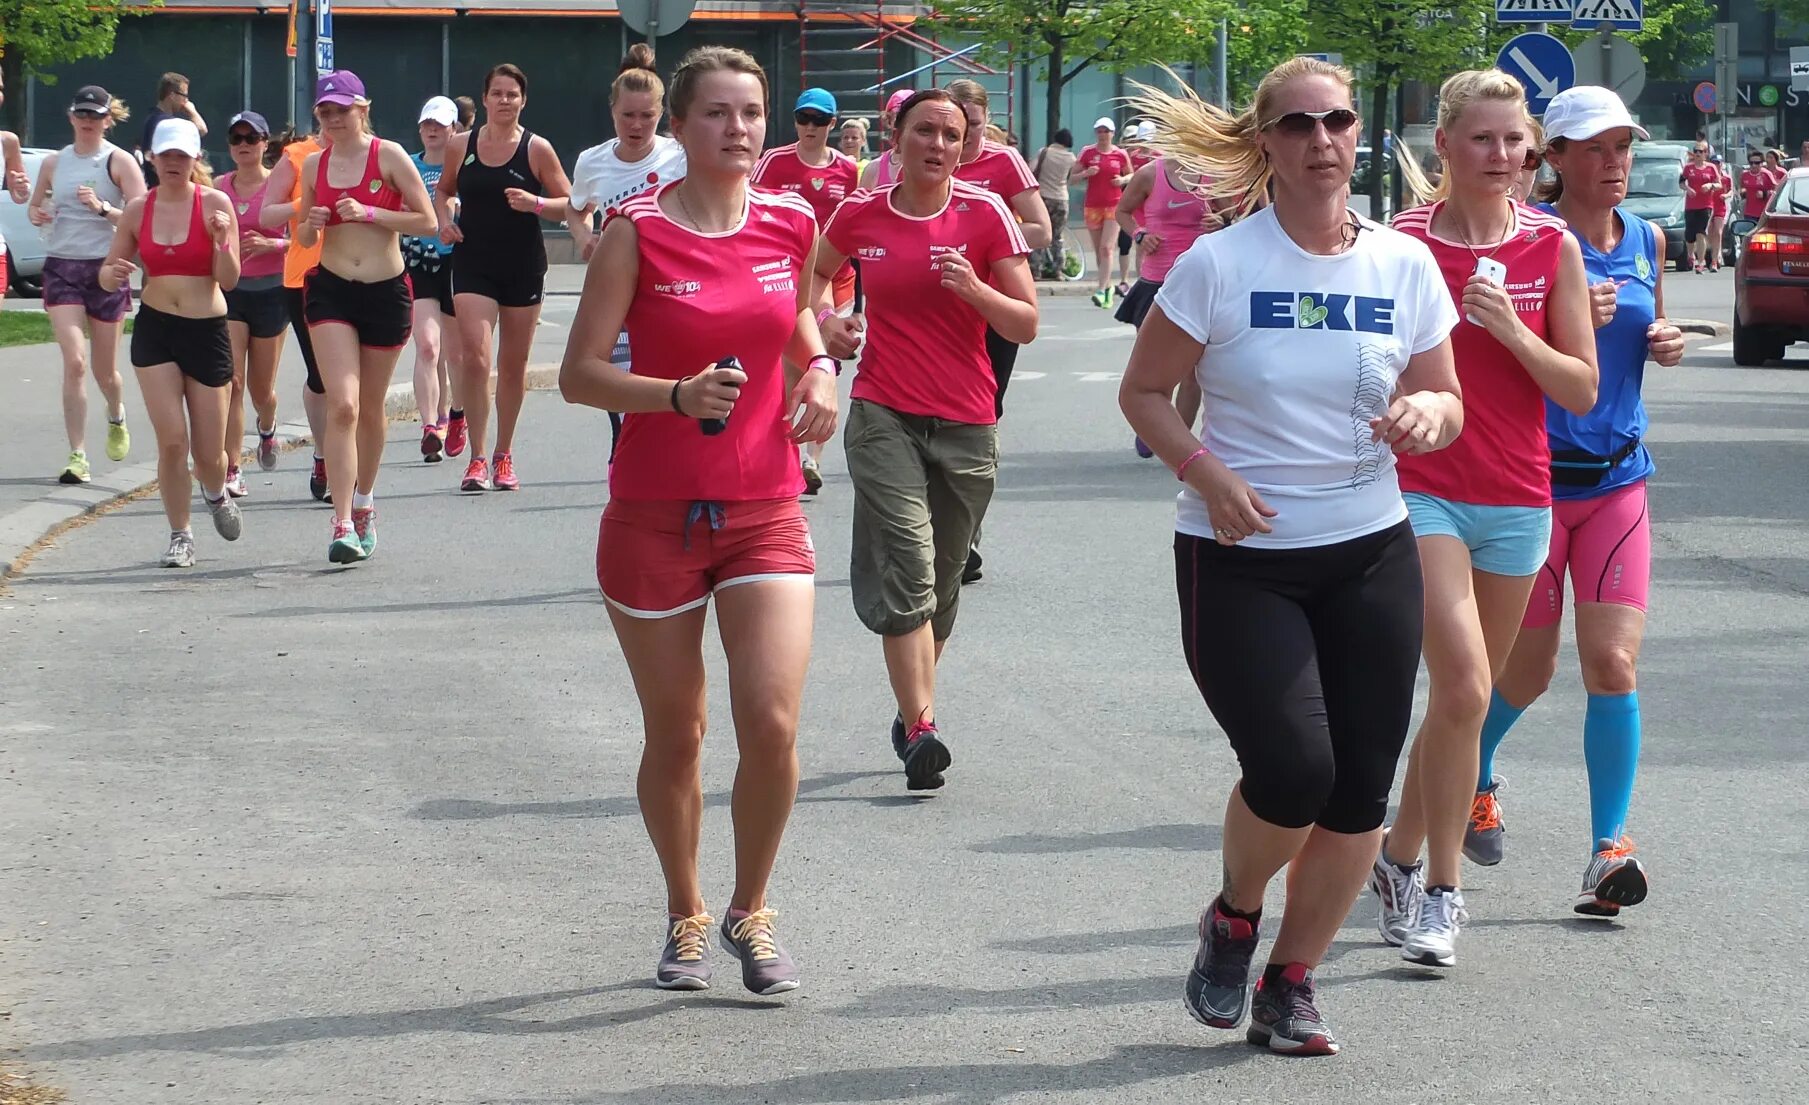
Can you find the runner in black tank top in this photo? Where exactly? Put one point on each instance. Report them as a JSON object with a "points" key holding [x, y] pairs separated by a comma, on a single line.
{"points": [[499, 267]]}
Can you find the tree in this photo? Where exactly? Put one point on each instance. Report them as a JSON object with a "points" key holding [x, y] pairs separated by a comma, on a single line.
{"points": [[1678, 35], [1065, 38], [36, 35]]}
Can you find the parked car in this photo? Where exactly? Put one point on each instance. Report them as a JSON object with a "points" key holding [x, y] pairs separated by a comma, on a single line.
{"points": [[1655, 192], [24, 245], [1771, 280]]}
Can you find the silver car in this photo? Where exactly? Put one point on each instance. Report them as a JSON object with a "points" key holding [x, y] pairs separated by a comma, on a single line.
{"points": [[24, 245]]}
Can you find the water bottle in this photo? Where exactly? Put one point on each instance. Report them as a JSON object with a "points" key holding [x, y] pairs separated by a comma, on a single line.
{"points": [[713, 426]]}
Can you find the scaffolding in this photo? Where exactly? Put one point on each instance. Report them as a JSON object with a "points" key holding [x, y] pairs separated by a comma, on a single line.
{"points": [[843, 47]]}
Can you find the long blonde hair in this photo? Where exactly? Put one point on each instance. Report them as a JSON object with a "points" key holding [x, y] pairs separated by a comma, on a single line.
{"points": [[1209, 142], [1454, 97]]}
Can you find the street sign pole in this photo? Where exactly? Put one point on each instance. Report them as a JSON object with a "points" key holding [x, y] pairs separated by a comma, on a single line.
{"points": [[1727, 76], [301, 90]]}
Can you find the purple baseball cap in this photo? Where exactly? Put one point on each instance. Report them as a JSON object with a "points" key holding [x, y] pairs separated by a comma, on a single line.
{"points": [[341, 87]]}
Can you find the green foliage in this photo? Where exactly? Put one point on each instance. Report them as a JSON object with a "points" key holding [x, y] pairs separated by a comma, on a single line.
{"points": [[1679, 35], [36, 35]]}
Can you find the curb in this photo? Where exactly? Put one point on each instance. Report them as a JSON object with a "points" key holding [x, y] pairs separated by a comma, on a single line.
{"points": [[25, 530], [1703, 326]]}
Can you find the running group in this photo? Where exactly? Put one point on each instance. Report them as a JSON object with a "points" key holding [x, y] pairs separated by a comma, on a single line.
{"points": [[1411, 434]]}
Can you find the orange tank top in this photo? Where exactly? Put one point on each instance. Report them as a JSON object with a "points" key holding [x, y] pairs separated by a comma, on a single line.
{"points": [[298, 260]]}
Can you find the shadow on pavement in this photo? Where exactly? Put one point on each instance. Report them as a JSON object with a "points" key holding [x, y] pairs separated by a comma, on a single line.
{"points": [[585, 595], [1173, 838], [623, 805]]}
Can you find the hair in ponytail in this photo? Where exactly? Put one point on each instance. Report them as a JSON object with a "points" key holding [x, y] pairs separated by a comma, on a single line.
{"points": [[1211, 143], [637, 75], [117, 111]]}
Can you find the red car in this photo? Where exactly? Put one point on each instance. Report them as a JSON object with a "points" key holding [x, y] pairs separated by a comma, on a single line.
{"points": [[1771, 283]]}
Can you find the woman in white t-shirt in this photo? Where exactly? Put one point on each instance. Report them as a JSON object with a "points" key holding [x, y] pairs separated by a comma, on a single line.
{"points": [[611, 174], [1320, 343]]}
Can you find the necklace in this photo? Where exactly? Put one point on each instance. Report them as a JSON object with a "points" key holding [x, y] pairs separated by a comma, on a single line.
{"points": [[696, 225], [1465, 238]]}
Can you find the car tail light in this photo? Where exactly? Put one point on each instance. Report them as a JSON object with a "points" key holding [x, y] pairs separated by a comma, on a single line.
{"points": [[1787, 244]]}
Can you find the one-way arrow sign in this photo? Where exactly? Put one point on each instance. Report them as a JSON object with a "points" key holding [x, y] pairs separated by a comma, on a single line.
{"points": [[1541, 64]]}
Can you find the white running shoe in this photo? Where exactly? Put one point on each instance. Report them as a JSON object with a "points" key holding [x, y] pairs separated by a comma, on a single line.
{"points": [[1613, 880], [226, 516], [1399, 893], [1433, 939], [181, 553]]}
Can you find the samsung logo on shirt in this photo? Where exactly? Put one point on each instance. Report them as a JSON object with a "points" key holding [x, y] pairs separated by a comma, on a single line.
{"points": [[1321, 311]]}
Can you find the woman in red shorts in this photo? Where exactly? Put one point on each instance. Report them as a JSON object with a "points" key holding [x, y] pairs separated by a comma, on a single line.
{"points": [[704, 490]]}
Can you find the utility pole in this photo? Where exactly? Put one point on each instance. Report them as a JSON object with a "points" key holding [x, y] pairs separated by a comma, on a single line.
{"points": [[1219, 65], [301, 69]]}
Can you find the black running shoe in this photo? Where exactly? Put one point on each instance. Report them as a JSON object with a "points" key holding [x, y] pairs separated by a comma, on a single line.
{"points": [[925, 757], [1218, 986], [1284, 1019], [972, 573], [899, 744]]}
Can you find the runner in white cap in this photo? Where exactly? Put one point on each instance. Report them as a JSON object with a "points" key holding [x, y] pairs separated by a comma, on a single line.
{"points": [[1106, 168], [427, 260]]}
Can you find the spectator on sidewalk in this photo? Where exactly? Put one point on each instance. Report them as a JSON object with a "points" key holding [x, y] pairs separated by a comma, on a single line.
{"points": [[172, 103], [1053, 164]]}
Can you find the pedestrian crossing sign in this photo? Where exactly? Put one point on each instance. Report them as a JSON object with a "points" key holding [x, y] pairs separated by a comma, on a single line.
{"points": [[1622, 15], [1533, 11]]}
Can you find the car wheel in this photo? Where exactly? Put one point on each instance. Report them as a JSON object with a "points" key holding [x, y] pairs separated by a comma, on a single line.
{"points": [[1750, 347]]}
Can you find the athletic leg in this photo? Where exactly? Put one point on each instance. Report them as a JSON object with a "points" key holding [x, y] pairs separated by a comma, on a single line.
{"points": [[515, 342], [477, 316], [234, 434], [165, 398], [336, 349], [69, 323], [427, 360], [376, 368]]}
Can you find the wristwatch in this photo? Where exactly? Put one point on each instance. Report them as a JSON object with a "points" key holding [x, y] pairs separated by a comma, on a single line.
{"points": [[1138, 237]]}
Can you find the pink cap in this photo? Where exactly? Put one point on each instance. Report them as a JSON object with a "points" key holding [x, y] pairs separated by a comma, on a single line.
{"points": [[897, 100]]}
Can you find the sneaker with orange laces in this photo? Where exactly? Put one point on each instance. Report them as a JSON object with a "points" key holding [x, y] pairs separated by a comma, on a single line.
{"points": [[1483, 835], [685, 964], [1613, 879], [504, 479], [477, 476], [766, 969]]}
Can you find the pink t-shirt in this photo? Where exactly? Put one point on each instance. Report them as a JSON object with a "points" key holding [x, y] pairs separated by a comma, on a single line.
{"points": [[699, 298], [1503, 457], [824, 189], [1103, 189], [926, 348], [1697, 196], [248, 209], [1000, 170], [1757, 185]]}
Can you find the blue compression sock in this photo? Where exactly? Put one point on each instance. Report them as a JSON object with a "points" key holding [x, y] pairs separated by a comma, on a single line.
{"points": [[1611, 752], [1502, 716]]}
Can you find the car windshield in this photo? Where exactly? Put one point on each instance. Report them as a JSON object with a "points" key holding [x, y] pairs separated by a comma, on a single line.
{"points": [[1653, 177], [1792, 198]]}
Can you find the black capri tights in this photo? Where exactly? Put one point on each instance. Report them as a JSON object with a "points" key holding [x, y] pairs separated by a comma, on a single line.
{"points": [[1306, 658]]}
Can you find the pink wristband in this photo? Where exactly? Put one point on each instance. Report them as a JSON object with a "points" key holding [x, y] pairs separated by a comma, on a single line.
{"points": [[825, 315], [539, 204], [1181, 472]]}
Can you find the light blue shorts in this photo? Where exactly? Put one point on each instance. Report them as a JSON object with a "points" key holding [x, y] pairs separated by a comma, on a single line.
{"points": [[1504, 540]]}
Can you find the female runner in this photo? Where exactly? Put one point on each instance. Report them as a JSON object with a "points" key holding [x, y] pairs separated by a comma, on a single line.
{"points": [[506, 179], [358, 300], [708, 269], [1601, 529], [942, 262], [438, 350], [1481, 511], [1290, 525], [636, 159], [187, 238], [256, 311], [80, 193]]}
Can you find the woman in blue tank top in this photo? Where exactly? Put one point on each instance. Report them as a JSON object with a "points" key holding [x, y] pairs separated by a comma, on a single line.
{"points": [[1601, 530]]}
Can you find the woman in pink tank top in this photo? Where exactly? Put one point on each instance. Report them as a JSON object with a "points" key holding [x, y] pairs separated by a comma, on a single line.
{"points": [[1165, 212], [257, 314]]}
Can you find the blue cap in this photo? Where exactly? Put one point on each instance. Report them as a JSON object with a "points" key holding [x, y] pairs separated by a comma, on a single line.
{"points": [[817, 99]]}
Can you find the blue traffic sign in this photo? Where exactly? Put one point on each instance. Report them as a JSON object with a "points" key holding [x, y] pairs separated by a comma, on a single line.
{"points": [[1622, 15], [1543, 66]]}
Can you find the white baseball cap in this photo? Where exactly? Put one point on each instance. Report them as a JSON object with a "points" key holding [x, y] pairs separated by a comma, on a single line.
{"points": [[176, 136], [1106, 122], [439, 110], [1146, 130], [1586, 111]]}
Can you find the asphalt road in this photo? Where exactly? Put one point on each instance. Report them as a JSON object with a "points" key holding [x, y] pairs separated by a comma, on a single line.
{"points": [[272, 831]]}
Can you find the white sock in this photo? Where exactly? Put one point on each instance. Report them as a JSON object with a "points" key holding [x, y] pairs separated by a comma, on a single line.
{"points": [[211, 494], [362, 501]]}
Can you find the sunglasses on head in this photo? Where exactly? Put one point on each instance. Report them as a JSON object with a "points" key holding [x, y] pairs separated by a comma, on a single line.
{"points": [[243, 138], [812, 119], [1299, 124]]}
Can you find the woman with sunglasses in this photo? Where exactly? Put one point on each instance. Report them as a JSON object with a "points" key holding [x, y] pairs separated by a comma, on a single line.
{"points": [[1601, 531], [506, 179], [1481, 510], [1756, 186], [638, 159], [80, 192], [922, 442], [256, 311], [703, 493], [824, 178], [1320, 342], [358, 302], [186, 237]]}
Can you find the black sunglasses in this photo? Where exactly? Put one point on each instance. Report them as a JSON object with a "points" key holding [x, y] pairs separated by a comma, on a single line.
{"points": [[812, 119], [243, 138], [1299, 124]]}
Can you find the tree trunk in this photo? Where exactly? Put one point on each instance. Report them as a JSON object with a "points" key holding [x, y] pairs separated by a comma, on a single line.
{"points": [[12, 113], [1378, 121], [1052, 108]]}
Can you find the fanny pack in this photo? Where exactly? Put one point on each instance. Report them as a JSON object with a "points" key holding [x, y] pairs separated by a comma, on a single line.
{"points": [[1580, 468]]}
